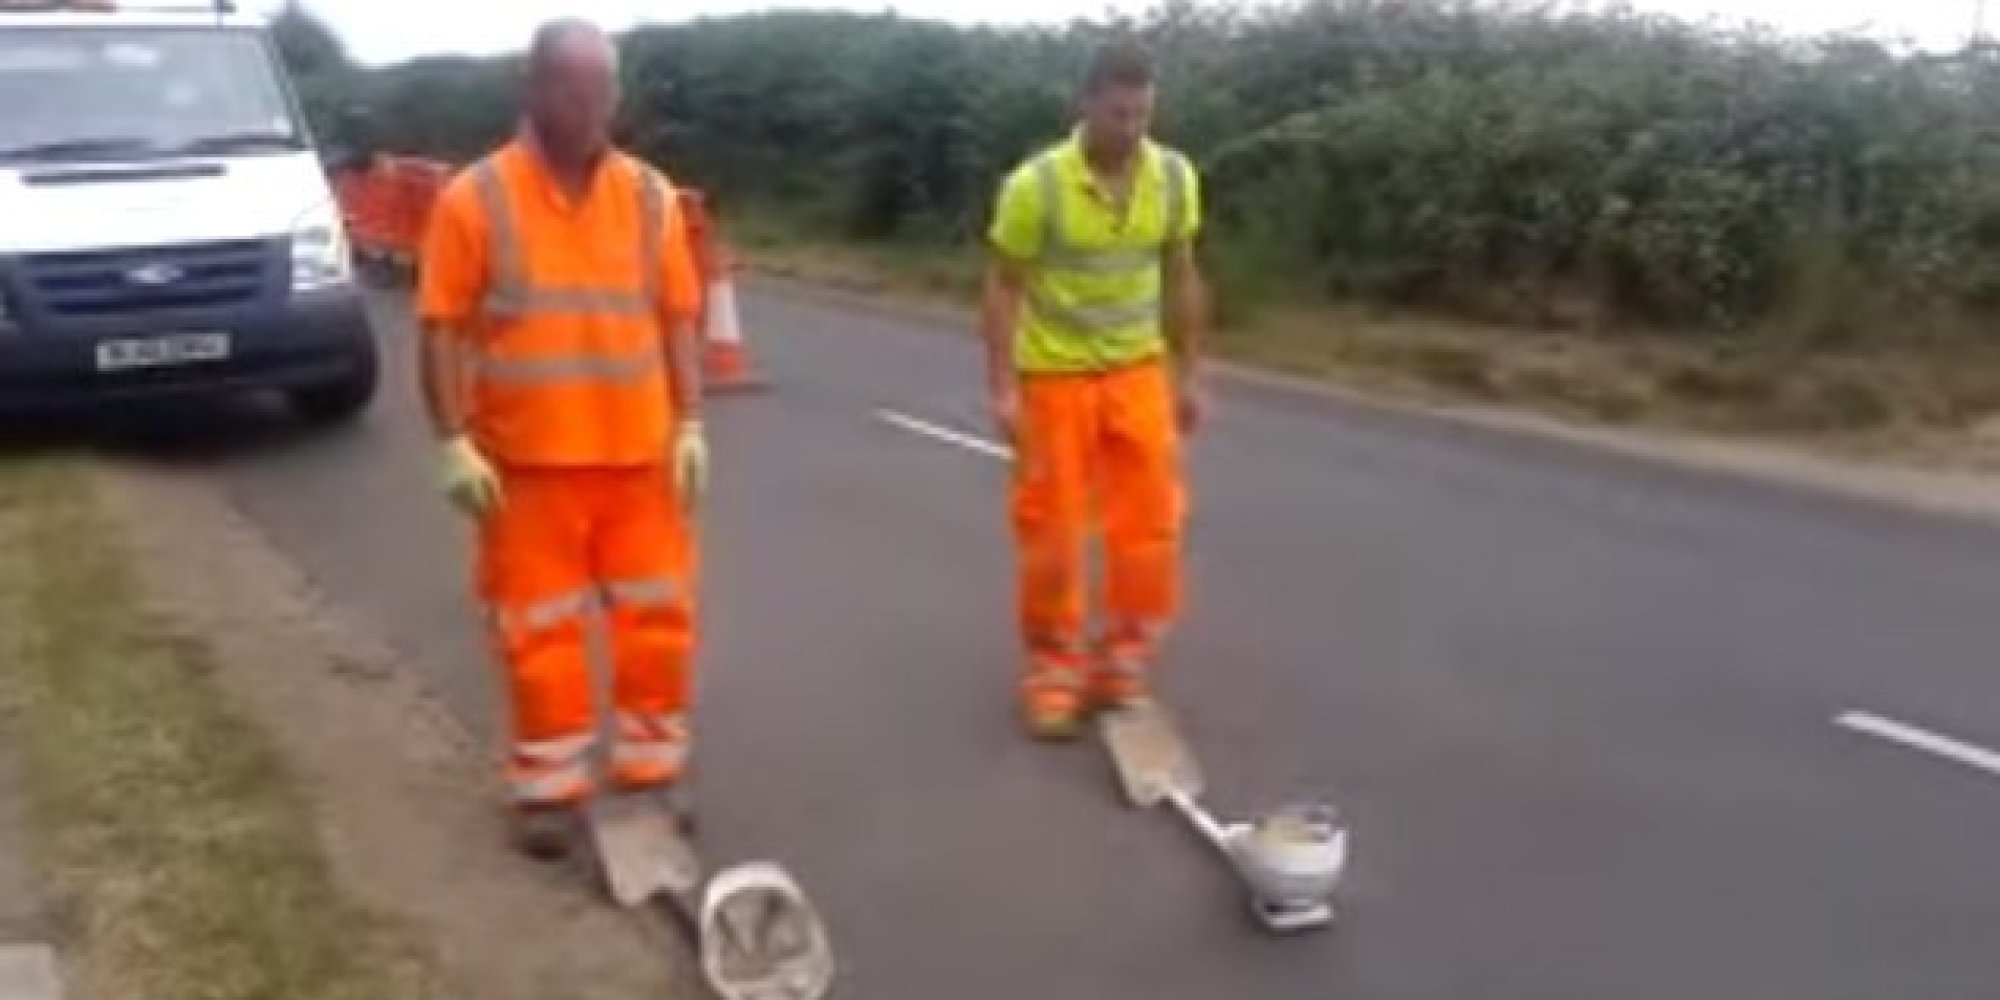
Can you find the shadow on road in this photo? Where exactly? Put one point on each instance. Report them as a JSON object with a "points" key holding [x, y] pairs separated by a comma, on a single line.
{"points": [[179, 432]]}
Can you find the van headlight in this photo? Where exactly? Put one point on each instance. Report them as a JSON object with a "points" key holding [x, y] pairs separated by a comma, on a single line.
{"points": [[319, 258]]}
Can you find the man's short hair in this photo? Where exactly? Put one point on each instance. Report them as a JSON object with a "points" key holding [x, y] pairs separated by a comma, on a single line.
{"points": [[1120, 63]]}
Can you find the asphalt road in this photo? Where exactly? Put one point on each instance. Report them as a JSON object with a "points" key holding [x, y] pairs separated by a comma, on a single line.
{"points": [[1581, 709]]}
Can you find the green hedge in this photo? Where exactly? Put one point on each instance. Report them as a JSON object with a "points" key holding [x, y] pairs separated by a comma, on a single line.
{"points": [[1511, 161]]}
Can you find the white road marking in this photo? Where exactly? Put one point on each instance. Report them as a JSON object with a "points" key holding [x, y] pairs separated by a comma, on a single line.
{"points": [[1929, 742], [938, 432]]}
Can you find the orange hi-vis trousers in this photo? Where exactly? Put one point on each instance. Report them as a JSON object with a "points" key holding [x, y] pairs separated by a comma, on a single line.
{"points": [[560, 540], [1097, 453]]}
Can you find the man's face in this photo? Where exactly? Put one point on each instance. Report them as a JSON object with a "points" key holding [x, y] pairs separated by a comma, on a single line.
{"points": [[574, 97], [1118, 116]]}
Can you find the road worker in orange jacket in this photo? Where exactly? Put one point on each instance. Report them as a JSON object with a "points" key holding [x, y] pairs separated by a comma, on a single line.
{"points": [[557, 295], [1093, 284]]}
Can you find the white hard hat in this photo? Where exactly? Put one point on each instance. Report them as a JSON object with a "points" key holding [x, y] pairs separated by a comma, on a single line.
{"points": [[761, 938]]}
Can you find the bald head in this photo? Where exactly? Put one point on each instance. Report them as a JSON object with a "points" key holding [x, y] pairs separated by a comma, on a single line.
{"points": [[570, 41], [572, 89]]}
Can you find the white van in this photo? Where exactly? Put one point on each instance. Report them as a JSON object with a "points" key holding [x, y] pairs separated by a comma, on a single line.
{"points": [[166, 225]]}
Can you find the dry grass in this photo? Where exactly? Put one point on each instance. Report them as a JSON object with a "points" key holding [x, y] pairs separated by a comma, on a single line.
{"points": [[1921, 400], [183, 860], [937, 277]]}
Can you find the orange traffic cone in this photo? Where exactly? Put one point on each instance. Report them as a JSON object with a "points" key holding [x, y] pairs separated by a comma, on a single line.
{"points": [[725, 358]]}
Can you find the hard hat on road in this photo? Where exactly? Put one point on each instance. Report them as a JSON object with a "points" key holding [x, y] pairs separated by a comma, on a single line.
{"points": [[1093, 284], [557, 291]]}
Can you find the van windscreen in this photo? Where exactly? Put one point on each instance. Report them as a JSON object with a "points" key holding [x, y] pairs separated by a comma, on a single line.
{"points": [[118, 93]]}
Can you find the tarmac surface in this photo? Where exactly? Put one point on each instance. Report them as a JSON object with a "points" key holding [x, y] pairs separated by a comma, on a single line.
{"points": [[1604, 728]]}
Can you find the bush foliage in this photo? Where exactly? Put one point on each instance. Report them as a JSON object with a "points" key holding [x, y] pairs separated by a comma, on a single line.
{"points": [[1514, 161]]}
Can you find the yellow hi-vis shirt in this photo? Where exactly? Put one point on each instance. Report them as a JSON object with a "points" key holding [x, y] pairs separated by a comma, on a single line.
{"points": [[1093, 276]]}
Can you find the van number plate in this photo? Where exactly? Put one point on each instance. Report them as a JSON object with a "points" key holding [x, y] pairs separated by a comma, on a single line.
{"points": [[153, 352]]}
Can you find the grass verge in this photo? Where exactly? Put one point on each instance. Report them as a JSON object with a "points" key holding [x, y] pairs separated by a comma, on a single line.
{"points": [[1885, 400], [183, 862]]}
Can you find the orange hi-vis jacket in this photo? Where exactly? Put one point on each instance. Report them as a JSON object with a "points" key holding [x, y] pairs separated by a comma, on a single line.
{"points": [[564, 303]]}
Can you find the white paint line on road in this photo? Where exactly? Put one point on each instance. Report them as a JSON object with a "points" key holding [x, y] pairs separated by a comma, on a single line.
{"points": [[1929, 742], [938, 432]]}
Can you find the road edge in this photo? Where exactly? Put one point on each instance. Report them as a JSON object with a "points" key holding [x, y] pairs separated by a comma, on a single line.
{"points": [[433, 784], [1963, 496]]}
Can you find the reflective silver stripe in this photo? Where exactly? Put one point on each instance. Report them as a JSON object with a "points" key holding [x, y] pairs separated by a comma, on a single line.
{"points": [[1063, 255], [654, 754], [554, 783], [652, 206], [1059, 253], [1050, 183], [666, 726], [561, 750], [545, 613], [549, 769], [1057, 664], [1064, 678], [1094, 319], [1118, 261], [1126, 662], [566, 367], [653, 592], [1141, 631], [655, 722], [1057, 250], [1130, 645], [517, 300], [1177, 169], [511, 294], [1053, 646], [508, 274]]}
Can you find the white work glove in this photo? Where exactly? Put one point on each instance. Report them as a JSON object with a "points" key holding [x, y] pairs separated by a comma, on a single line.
{"points": [[467, 477], [690, 463]]}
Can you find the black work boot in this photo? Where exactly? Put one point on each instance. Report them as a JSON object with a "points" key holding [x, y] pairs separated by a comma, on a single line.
{"points": [[545, 832]]}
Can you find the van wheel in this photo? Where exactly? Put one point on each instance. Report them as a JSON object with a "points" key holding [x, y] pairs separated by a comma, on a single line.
{"points": [[341, 399]]}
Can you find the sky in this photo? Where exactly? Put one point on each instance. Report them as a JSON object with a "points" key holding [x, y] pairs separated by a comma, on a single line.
{"points": [[379, 31]]}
